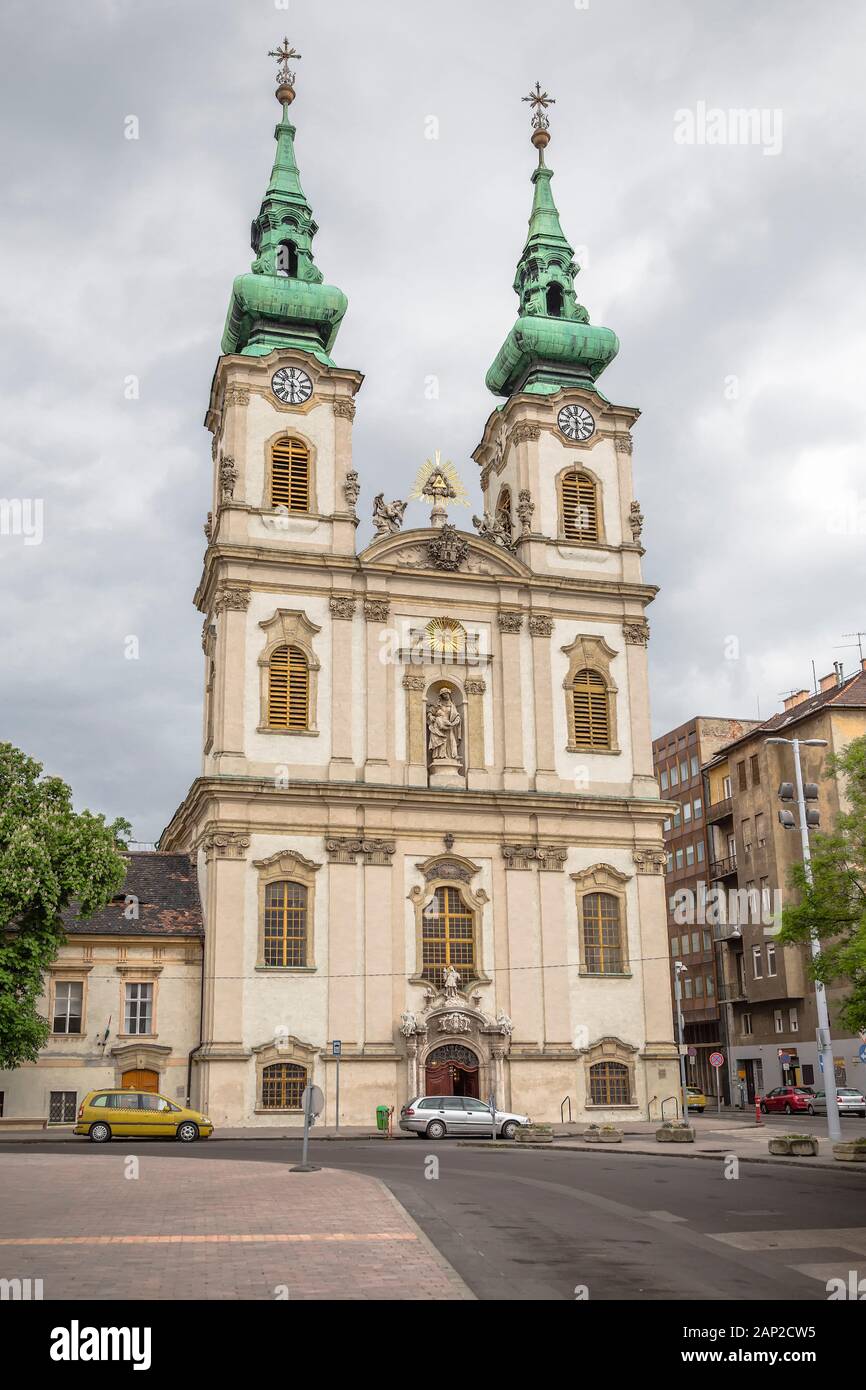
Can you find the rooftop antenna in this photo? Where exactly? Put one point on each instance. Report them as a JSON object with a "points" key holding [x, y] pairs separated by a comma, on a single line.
{"points": [[859, 636], [814, 678]]}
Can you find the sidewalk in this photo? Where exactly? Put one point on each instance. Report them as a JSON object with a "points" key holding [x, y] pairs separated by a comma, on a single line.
{"points": [[212, 1229]]}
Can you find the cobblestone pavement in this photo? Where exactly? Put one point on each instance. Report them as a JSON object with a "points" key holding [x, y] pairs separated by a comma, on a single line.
{"points": [[126, 1225]]}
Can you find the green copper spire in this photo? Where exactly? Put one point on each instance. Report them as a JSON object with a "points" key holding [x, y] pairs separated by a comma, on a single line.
{"points": [[553, 343], [283, 302]]}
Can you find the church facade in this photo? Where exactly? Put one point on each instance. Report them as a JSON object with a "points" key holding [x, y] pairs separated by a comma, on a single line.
{"points": [[427, 826]]}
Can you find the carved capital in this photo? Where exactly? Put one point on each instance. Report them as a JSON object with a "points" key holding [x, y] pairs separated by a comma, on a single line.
{"points": [[232, 596], [344, 849], [474, 685], [623, 444], [650, 861], [412, 682], [236, 395], [551, 857], [376, 610], [523, 432], [509, 620], [540, 625], [345, 408], [226, 844], [342, 605], [636, 634]]}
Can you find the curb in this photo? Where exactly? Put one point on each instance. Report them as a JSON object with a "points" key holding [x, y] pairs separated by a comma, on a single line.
{"points": [[771, 1159], [463, 1290]]}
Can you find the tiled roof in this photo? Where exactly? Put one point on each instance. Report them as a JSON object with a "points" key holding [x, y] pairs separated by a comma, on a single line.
{"points": [[168, 902], [850, 695]]}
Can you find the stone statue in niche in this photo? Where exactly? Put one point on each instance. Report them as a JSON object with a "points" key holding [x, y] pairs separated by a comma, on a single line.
{"points": [[387, 516], [451, 981], [444, 727]]}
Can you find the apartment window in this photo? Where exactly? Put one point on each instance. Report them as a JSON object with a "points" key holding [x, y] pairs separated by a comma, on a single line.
{"points": [[688, 987], [68, 996], [670, 861], [695, 765], [708, 941], [138, 1012], [755, 770], [62, 1106], [726, 788], [677, 820], [699, 807], [675, 776], [684, 772], [765, 898], [747, 1024], [771, 958], [746, 832], [711, 988], [793, 1021], [664, 779], [679, 859], [700, 851], [675, 946], [752, 901], [741, 776], [667, 823], [699, 986], [687, 811], [690, 854], [760, 830], [778, 1021], [757, 963], [681, 741], [696, 942]]}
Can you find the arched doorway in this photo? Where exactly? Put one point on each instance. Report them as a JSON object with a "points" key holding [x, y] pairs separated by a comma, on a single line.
{"points": [[451, 1070], [140, 1080]]}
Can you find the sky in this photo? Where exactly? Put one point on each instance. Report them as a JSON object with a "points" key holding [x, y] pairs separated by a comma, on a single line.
{"points": [[727, 257]]}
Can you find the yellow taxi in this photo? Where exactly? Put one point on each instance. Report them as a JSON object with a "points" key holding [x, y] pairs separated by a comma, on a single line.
{"points": [[105, 1114], [695, 1099]]}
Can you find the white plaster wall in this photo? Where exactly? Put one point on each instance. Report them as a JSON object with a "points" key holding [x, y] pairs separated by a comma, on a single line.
{"points": [[527, 701], [286, 748], [600, 1007]]}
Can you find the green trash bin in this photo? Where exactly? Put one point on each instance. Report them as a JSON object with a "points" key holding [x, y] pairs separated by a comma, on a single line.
{"points": [[382, 1118]]}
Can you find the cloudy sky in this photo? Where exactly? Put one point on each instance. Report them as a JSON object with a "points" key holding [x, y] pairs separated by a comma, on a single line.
{"points": [[732, 274]]}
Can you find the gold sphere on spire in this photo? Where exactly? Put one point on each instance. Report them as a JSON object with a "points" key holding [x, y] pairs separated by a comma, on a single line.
{"points": [[285, 76]]}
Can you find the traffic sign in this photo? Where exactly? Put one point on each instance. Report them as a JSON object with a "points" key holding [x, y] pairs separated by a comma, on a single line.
{"points": [[337, 1047], [862, 1052], [716, 1059], [313, 1098]]}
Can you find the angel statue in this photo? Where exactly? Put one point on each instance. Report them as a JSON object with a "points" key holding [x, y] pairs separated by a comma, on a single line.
{"points": [[387, 516]]}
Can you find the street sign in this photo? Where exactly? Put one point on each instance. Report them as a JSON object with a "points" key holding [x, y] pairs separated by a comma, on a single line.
{"points": [[337, 1047], [693, 1052], [313, 1100], [862, 1052], [716, 1059]]}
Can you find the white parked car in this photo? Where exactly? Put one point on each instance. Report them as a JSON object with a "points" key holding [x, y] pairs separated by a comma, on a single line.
{"points": [[850, 1102], [435, 1116]]}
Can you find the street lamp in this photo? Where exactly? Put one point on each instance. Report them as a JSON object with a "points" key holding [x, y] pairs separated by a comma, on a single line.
{"points": [[825, 1046], [681, 969]]}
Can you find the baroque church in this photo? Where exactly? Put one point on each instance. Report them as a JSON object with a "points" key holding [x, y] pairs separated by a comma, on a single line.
{"points": [[426, 827]]}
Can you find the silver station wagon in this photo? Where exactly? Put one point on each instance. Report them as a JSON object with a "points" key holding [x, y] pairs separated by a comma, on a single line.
{"points": [[435, 1116]]}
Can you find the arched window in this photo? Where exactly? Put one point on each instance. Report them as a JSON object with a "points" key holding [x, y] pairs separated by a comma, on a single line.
{"points": [[608, 1084], [287, 260], [503, 512], [554, 301], [288, 689], [579, 507], [591, 710], [448, 936], [283, 1085], [285, 924], [290, 475], [602, 939]]}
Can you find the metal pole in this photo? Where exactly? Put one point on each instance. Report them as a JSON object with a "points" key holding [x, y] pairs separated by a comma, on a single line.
{"points": [[492, 1103], [307, 1107], [678, 993], [338, 1092], [825, 1046]]}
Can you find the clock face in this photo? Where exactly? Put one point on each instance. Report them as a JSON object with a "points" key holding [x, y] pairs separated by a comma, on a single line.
{"points": [[291, 386], [575, 422]]}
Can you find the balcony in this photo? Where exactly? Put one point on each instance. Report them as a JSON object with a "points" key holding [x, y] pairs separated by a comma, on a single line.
{"points": [[724, 868], [719, 810]]}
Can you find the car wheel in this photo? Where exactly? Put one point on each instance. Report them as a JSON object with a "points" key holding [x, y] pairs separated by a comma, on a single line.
{"points": [[100, 1133], [435, 1130], [764, 1110], [187, 1132], [788, 1110], [508, 1129], [810, 1109]]}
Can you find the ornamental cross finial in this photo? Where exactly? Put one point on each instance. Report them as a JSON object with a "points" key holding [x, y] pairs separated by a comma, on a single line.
{"points": [[540, 102], [284, 56]]}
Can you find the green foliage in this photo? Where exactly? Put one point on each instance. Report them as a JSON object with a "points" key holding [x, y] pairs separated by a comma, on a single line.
{"points": [[49, 855], [833, 906]]}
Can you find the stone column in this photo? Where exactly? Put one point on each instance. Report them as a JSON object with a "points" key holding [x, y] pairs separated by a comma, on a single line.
{"points": [[341, 767], [514, 776], [345, 969], [230, 607], [546, 776], [416, 742], [224, 1056], [345, 482], [377, 767], [636, 635], [476, 768]]}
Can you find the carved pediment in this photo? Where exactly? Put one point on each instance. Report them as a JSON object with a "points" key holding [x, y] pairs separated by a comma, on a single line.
{"points": [[410, 550]]}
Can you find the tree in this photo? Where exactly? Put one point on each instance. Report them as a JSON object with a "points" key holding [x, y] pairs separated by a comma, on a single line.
{"points": [[833, 906], [50, 855]]}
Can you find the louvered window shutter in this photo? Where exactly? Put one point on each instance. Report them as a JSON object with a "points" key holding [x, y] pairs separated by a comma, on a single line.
{"points": [[288, 689], [290, 475], [579, 507], [591, 713]]}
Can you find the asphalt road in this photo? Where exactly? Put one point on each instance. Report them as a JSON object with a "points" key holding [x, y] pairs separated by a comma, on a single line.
{"points": [[534, 1224]]}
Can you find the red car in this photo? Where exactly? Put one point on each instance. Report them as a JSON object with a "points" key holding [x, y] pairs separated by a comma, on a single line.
{"points": [[788, 1099]]}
